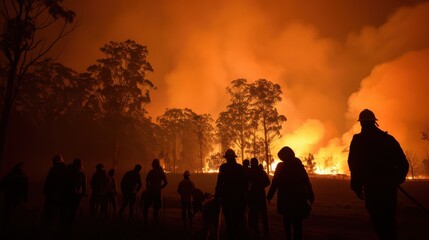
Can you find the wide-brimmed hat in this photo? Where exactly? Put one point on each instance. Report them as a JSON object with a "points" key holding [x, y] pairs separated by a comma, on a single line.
{"points": [[230, 154], [367, 115]]}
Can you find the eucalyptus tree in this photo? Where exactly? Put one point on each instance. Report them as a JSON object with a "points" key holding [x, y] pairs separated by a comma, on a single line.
{"points": [[265, 96], [48, 93], [234, 124], [173, 122], [205, 136], [119, 89], [27, 36]]}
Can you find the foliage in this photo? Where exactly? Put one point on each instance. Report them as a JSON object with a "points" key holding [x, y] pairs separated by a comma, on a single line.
{"points": [[234, 123], [23, 44], [49, 92], [265, 96], [188, 138], [120, 89]]}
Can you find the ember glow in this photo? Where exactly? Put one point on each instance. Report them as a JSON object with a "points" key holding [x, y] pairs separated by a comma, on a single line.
{"points": [[332, 61]]}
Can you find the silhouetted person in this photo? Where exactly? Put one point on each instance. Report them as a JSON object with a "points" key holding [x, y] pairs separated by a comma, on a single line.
{"points": [[15, 189], [76, 189], [185, 189], [55, 190], [111, 191], [98, 200], [294, 190], [155, 181], [198, 198], [231, 190], [259, 180], [210, 211], [377, 166], [131, 183], [246, 164]]}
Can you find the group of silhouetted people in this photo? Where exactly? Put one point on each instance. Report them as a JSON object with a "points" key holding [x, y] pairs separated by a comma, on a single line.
{"points": [[64, 187], [377, 164], [240, 189]]}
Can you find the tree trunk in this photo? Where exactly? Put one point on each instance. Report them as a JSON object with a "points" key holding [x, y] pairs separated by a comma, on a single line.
{"points": [[7, 107], [266, 146]]}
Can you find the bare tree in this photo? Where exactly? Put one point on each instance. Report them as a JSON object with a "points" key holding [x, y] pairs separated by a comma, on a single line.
{"points": [[23, 44], [412, 161]]}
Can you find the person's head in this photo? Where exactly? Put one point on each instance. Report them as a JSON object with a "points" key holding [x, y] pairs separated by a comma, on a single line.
{"points": [[18, 167], [111, 172], [254, 163], [99, 167], [57, 159], [246, 163], [138, 167], [367, 118], [230, 155], [156, 164], [186, 174], [286, 153], [77, 163]]}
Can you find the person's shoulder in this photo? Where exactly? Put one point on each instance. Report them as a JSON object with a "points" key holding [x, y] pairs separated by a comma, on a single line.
{"points": [[223, 165]]}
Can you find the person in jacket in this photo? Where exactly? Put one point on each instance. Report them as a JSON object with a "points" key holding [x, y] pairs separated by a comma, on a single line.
{"points": [[156, 180], [294, 192], [185, 189], [378, 166], [130, 185], [55, 190], [231, 192], [258, 180], [76, 190], [98, 201], [15, 189], [111, 191]]}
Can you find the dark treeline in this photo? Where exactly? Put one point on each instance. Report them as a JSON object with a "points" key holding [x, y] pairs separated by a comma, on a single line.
{"points": [[100, 116]]}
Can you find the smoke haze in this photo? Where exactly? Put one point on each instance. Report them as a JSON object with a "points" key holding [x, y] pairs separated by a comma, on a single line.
{"points": [[332, 59]]}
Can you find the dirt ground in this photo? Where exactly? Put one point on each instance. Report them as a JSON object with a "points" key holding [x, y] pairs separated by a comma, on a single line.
{"points": [[336, 214]]}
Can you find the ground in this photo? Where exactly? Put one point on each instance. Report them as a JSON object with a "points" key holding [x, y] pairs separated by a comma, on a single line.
{"points": [[336, 214]]}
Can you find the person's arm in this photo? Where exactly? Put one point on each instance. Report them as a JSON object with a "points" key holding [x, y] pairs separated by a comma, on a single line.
{"points": [[309, 189], [275, 183], [219, 183], [26, 189], [179, 188], [139, 183], [354, 162], [148, 180], [84, 187], [266, 180], [402, 164]]}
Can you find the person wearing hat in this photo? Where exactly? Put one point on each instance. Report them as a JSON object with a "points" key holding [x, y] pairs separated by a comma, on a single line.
{"points": [[185, 189], [295, 193], [230, 192], [377, 166]]}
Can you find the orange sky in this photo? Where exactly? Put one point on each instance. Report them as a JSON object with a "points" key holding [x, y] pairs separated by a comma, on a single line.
{"points": [[332, 59]]}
